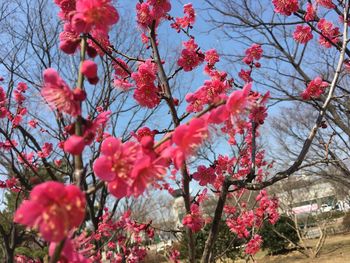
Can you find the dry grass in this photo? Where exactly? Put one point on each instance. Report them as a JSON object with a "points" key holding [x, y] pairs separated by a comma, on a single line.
{"points": [[335, 250]]}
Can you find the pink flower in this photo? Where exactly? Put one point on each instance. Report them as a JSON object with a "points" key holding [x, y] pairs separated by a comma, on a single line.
{"points": [[314, 89], [245, 75], [94, 14], [45, 150], [326, 3], [121, 69], [253, 53], [69, 252], [54, 209], [146, 93], [330, 34], [286, 7], [238, 100], [144, 16], [69, 39], [74, 145], [160, 8], [58, 95], [187, 21], [194, 221], [115, 164], [33, 123], [190, 57], [151, 10], [310, 13], [302, 34], [188, 137], [67, 8], [253, 245], [212, 57], [204, 175], [89, 69]]}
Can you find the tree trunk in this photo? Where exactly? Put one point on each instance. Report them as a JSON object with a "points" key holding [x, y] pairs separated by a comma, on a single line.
{"points": [[209, 244]]}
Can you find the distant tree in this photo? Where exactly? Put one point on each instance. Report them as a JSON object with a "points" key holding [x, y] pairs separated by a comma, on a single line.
{"points": [[278, 237]]}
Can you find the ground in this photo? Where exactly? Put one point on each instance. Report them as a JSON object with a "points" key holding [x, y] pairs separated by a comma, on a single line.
{"points": [[335, 250]]}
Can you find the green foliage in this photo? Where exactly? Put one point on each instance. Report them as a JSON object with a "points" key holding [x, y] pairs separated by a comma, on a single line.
{"points": [[275, 243], [226, 246], [33, 253]]}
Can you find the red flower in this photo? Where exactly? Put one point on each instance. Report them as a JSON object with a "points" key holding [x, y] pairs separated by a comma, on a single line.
{"points": [[326, 3], [330, 34], [190, 57], [314, 89], [285, 7], [146, 93], [89, 69], [187, 138], [238, 100], [57, 93], [115, 164], [54, 209], [194, 221], [186, 21], [310, 13], [302, 34], [212, 57], [253, 245], [69, 39], [74, 145], [204, 175], [94, 14]]}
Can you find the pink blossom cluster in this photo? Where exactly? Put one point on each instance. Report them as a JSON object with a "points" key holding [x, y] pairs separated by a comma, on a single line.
{"points": [[286, 7], [204, 175], [187, 21], [330, 34], [146, 92], [302, 34], [254, 244], [123, 237], [3, 110], [129, 167], [314, 89], [121, 73], [326, 3], [86, 16], [59, 95], [191, 56], [21, 110], [11, 184], [252, 56], [186, 139], [71, 251], [194, 220], [310, 13], [243, 223], [212, 91], [89, 69], [53, 208], [151, 11], [91, 129]]}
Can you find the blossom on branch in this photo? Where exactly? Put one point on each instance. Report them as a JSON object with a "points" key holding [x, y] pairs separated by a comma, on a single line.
{"points": [[94, 14], [302, 34], [285, 7], [53, 208], [58, 95]]}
